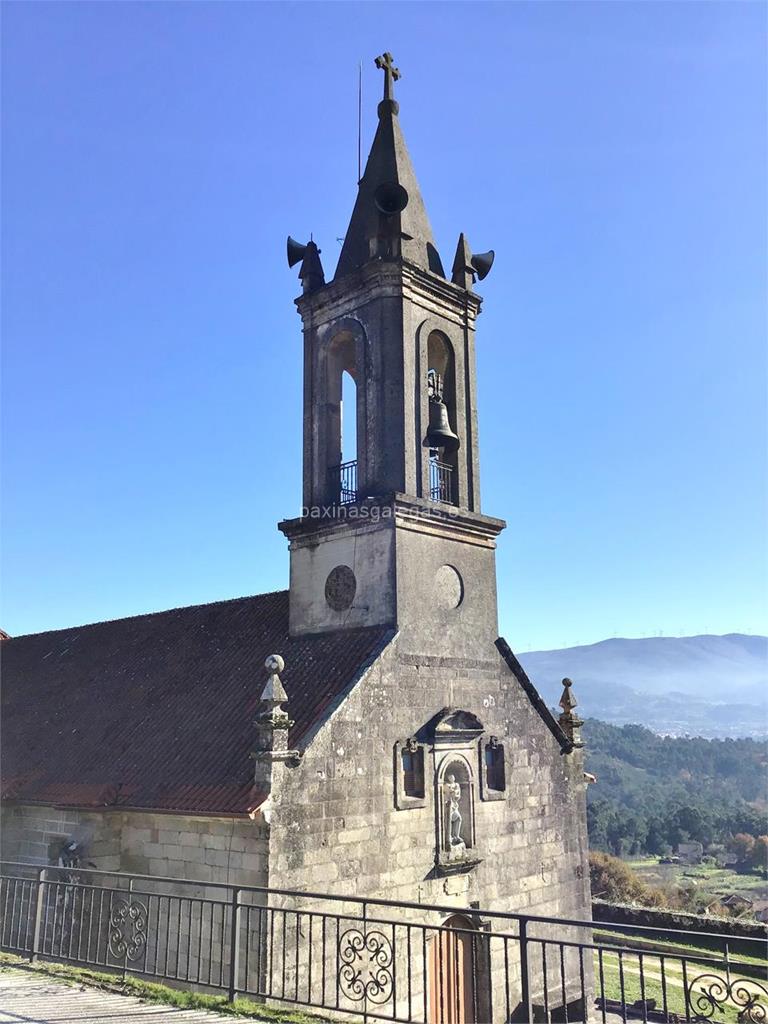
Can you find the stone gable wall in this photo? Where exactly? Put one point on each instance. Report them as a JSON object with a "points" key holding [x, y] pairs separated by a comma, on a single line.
{"points": [[335, 825], [334, 820]]}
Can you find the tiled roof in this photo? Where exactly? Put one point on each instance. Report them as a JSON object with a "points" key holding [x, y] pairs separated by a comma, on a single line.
{"points": [[157, 711]]}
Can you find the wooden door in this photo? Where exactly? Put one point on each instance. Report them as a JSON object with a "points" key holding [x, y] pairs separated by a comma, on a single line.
{"points": [[451, 974]]}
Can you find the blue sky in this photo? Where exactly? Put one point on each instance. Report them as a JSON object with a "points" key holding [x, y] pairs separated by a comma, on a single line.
{"points": [[614, 156]]}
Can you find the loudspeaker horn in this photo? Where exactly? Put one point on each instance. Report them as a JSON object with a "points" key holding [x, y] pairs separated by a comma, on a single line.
{"points": [[483, 262], [390, 198], [296, 251]]}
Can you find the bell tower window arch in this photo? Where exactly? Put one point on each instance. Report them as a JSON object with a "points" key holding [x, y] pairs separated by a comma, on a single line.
{"points": [[343, 420], [348, 417], [440, 438]]}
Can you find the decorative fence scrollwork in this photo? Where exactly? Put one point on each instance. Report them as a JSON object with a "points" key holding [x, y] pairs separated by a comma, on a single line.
{"points": [[127, 929], [395, 962], [712, 993], [365, 966]]}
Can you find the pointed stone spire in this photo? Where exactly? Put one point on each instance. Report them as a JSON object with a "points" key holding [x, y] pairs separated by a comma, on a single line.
{"points": [[569, 721], [272, 725], [389, 219], [462, 272], [311, 271], [273, 694]]}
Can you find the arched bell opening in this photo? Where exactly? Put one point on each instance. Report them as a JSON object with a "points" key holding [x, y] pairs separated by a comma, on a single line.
{"points": [[348, 417], [343, 418], [440, 437]]}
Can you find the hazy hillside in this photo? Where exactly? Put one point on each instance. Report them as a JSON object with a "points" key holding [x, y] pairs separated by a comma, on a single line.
{"points": [[653, 793], [699, 685]]}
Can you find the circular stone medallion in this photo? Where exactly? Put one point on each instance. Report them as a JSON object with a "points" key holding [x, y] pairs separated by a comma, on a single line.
{"points": [[340, 588], [449, 587]]}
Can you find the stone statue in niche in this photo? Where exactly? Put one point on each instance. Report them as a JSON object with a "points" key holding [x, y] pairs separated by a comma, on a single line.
{"points": [[453, 790], [456, 814], [455, 734]]}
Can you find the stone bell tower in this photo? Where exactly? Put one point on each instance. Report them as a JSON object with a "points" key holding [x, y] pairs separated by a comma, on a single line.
{"points": [[394, 535]]}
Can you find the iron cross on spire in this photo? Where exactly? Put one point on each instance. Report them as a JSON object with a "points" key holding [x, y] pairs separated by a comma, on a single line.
{"points": [[391, 74]]}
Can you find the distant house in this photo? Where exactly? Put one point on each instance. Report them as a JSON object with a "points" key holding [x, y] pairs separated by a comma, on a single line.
{"points": [[760, 910], [736, 904], [690, 853]]}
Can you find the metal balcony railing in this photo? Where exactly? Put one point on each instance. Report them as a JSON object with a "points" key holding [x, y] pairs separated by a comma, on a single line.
{"points": [[394, 961], [441, 481], [343, 482]]}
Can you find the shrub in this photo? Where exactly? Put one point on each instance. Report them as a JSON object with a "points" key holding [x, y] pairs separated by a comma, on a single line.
{"points": [[615, 882]]}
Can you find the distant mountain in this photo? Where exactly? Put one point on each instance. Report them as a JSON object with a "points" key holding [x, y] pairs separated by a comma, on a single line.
{"points": [[710, 686]]}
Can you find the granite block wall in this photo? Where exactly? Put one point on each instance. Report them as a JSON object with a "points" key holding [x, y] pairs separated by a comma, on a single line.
{"points": [[231, 850], [335, 823]]}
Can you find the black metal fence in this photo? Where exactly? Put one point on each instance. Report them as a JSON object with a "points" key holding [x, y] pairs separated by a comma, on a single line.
{"points": [[441, 481], [404, 962], [343, 482]]}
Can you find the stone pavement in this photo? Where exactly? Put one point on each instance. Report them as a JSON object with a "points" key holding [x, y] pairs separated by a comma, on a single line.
{"points": [[27, 997]]}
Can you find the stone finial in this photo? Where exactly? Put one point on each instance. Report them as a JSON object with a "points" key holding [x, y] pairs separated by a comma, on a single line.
{"points": [[567, 702], [463, 273], [569, 721], [272, 725], [311, 272], [273, 695]]}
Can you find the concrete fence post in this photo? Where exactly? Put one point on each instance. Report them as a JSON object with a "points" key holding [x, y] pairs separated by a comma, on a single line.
{"points": [[39, 905]]}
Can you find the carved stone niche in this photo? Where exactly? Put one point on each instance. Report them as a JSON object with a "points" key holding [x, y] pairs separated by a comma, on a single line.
{"points": [[454, 735]]}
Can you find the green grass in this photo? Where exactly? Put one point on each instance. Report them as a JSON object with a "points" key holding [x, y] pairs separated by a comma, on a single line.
{"points": [[675, 993], [752, 969], [710, 880], [683, 948], [153, 992]]}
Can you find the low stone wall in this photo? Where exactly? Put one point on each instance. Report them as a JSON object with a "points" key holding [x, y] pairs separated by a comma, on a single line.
{"points": [[652, 917]]}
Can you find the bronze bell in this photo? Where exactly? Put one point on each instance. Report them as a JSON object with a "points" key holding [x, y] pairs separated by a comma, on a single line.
{"points": [[439, 433]]}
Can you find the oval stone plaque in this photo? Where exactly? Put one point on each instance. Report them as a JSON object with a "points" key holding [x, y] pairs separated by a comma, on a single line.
{"points": [[449, 587], [340, 588]]}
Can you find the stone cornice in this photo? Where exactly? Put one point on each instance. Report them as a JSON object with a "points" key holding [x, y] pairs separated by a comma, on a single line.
{"points": [[396, 510], [446, 521], [392, 278], [421, 281]]}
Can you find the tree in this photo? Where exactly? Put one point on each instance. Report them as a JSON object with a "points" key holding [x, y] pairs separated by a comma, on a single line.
{"points": [[759, 855], [598, 814], [616, 835], [614, 881], [657, 791], [693, 820], [742, 845], [656, 841], [636, 832]]}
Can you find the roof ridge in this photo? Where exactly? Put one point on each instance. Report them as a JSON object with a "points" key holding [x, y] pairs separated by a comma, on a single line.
{"points": [[146, 615]]}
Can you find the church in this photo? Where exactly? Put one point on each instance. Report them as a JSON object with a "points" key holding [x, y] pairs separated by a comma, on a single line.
{"points": [[366, 733]]}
